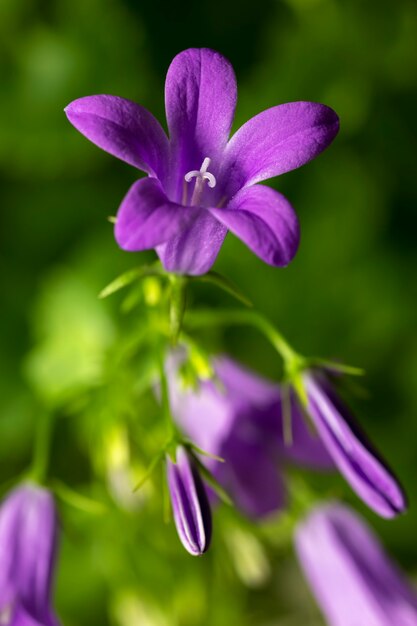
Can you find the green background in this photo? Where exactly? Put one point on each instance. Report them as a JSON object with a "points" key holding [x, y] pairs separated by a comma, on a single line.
{"points": [[350, 292]]}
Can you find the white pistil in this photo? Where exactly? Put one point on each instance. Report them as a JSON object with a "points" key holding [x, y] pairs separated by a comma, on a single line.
{"points": [[201, 176]]}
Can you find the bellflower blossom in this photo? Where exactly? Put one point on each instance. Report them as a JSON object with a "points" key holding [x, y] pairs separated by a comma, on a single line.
{"points": [[352, 578], [349, 448], [238, 417], [190, 505], [201, 184], [28, 542]]}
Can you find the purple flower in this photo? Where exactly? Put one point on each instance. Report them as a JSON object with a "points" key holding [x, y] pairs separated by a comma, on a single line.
{"points": [[352, 578], [201, 184], [28, 542], [349, 448], [190, 504], [238, 417]]}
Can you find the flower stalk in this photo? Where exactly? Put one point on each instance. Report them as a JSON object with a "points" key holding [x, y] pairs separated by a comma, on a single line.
{"points": [[42, 446], [177, 305], [227, 317]]}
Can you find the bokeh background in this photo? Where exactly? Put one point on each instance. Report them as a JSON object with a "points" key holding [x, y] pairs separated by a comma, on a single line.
{"points": [[349, 294]]}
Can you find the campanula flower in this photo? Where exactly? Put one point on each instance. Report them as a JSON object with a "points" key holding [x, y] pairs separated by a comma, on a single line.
{"points": [[190, 505], [28, 542], [350, 449], [200, 184], [237, 416], [351, 576]]}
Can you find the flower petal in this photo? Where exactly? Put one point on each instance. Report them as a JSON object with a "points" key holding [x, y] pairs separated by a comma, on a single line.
{"points": [[306, 448], [146, 217], [228, 421], [22, 618], [251, 477], [265, 221], [366, 474], [351, 576], [278, 140], [195, 249], [124, 129], [200, 99]]}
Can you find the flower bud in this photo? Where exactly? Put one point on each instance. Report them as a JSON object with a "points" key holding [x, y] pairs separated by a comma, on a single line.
{"points": [[189, 501], [28, 540], [350, 450], [351, 576]]}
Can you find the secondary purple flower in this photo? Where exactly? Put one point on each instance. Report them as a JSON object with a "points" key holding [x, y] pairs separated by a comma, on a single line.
{"points": [[28, 542], [349, 448], [201, 184], [190, 506], [349, 573], [238, 417]]}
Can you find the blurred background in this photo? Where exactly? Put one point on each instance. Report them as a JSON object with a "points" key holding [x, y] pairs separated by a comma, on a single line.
{"points": [[349, 294]]}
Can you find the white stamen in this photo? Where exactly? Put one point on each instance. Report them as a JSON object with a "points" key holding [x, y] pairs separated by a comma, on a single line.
{"points": [[202, 174]]}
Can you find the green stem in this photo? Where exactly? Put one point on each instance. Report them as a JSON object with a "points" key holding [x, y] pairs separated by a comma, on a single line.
{"points": [[166, 409], [205, 317], [178, 304], [42, 447]]}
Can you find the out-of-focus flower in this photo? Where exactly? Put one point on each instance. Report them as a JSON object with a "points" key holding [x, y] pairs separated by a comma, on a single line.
{"points": [[130, 608], [249, 557], [190, 504], [120, 468], [349, 448], [28, 542], [349, 573], [201, 184], [238, 416]]}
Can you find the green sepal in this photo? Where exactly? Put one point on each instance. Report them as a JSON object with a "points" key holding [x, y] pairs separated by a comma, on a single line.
{"points": [[166, 502], [225, 284], [132, 299], [171, 449], [350, 370], [77, 500], [150, 470], [190, 445], [127, 278], [209, 478]]}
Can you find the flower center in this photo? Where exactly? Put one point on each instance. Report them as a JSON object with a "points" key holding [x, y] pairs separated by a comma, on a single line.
{"points": [[201, 177]]}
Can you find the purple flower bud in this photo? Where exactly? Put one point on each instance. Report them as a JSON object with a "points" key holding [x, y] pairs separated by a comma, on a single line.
{"points": [[28, 542], [190, 504], [350, 450], [349, 573]]}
